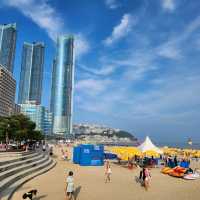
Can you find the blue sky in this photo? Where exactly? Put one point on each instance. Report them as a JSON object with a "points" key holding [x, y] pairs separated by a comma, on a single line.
{"points": [[137, 61]]}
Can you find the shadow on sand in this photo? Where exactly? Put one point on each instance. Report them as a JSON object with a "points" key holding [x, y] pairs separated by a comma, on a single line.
{"points": [[40, 197], [139, 181], [76, 192]]}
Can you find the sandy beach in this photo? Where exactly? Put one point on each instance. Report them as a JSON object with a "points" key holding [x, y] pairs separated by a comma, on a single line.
{"points": [[90, 185]]}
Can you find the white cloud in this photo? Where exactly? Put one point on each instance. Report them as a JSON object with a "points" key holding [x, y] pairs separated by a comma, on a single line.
{"points": [[138, 73], [121, 30], [94, 106], [92, 87], [112, 4], [173, 102], [41, 13], [193, 26], [136, 64], [47, 18], [165, 100], [172, 97], [169, 5], [169, 50], [81, 45], [177, 94], [172, 48], [133, 65], [103, 71]]}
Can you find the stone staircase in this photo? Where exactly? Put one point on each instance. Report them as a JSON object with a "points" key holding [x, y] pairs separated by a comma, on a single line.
{"points": [[18, 168]]}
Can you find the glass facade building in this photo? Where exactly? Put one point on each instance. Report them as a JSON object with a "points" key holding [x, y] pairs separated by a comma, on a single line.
{"points": [[62, 86], [30, 88], [34, 112], [7, 45], [38, 114], [47, 124]]}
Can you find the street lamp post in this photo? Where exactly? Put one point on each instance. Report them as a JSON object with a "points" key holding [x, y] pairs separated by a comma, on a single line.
{"points": [[7, 138], [8, 126]]}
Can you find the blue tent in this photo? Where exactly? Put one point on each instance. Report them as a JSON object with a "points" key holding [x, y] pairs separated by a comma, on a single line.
{"points": [[89, 155], [76, 154]]}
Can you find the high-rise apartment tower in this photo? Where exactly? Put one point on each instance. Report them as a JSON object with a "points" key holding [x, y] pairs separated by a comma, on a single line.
{"points": [[62, 86], [30, 88], [7, 45]]}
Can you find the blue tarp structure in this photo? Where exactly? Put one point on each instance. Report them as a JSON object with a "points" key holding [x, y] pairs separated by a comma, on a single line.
{"points": [[89, 155], [76, 154]]}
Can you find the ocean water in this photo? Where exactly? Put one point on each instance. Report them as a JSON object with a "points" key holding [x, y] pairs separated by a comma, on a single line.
{"points": [[182, 145]]}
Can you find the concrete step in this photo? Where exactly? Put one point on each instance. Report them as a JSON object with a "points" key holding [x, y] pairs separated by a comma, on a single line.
{"points": [[6, 184], [19, 163], [20, 158], [4, 175], [8, 193], [13, 154], [16, 155]]}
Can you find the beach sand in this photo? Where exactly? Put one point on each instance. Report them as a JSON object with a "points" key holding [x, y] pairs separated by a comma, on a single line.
{"points": [[90, 185]]}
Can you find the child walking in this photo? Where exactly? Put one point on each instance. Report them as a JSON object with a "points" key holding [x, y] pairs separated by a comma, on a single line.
{"points": [[147, 177], [70, 186]]}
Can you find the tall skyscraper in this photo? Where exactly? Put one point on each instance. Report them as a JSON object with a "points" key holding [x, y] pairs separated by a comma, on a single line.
{"points": [[7, 45], [7, 92], [30, 88], [62, 90], [53, 85]]}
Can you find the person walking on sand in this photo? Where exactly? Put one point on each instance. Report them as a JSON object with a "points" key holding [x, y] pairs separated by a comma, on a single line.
{"points": [[175, 161], [70, 186], [141, 176], [108, 172], [146, 178], [44, 147]]}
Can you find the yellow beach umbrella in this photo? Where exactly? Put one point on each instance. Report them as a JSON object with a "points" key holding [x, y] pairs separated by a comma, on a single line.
{"points": [[151, 153], [135, 151], [197, 154], [125, 152]]}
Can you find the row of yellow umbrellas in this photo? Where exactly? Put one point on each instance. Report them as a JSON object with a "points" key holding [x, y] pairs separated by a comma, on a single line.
{"points": [[126, 153], [183, 152]]}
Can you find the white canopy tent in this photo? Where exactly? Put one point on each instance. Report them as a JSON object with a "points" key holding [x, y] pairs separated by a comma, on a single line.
{"points": [[147, 145]]}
